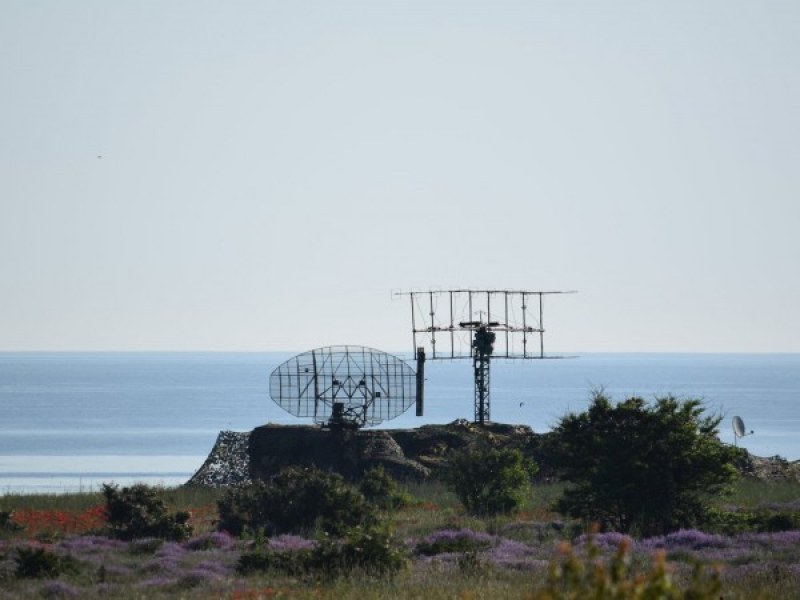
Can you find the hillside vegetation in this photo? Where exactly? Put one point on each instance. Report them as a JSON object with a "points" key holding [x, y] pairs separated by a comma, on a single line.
{"points": [[490, 525]]}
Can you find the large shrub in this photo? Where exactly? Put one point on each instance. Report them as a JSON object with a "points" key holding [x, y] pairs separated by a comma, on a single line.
{"points": [[137, 512], [295, 500], [7, 523], [371, 550], [381, 489], [490, 481], [38, 562], [641, 468]]}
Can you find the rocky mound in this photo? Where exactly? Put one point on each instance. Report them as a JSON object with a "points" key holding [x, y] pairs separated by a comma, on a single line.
{"points": [[407, 454], [228, 463], [772, 468]]}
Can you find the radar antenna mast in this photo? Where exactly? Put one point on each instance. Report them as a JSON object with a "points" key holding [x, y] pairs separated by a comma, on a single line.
{"points": [[478, 325]]}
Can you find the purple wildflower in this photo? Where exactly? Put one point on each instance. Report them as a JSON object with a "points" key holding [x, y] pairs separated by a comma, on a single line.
{"points": [[441, 559], [762, 571], [781, 539], [290, 543], [116, 570], [605, 541], [159, 565], [59, 589], [684, 539], [216, 539], [171, 551], [91, 544], [736, 554], [7, 567], [215, 567], [159, 581], [198, 576], [512, 554]]}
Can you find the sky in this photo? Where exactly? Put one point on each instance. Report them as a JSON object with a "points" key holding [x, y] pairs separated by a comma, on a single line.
{"points": [[231, 175]]}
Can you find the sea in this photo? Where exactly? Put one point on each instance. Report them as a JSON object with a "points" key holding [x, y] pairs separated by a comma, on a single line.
{"points": [[73, 421]]}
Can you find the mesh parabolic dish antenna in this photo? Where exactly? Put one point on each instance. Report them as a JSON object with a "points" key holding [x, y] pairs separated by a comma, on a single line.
{"points": [[344, 386]]}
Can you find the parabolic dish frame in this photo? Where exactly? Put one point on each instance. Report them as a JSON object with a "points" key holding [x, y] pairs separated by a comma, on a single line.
{"points": [[351, 386]]}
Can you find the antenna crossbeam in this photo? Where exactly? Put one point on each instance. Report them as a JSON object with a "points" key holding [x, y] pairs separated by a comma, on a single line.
{"points": [[508, 328]]}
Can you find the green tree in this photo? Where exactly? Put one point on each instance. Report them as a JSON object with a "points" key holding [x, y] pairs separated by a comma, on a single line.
{"points": [[490, 481], [639, 468]]}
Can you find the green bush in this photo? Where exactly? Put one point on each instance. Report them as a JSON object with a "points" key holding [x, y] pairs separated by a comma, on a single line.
{"points": [[727, 522], [137, 512], [368, 550], [33, 562], [382, 490], [244, 509], [7, 523], [639, 468], [490, 481], [296, 500], [733, 522], [778, 521]]}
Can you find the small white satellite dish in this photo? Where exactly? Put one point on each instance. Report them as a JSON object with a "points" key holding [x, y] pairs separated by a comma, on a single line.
{"points": [[739, 430]]}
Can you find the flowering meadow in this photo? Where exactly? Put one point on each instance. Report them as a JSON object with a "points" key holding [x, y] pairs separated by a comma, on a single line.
{"points": [[50, 552]]}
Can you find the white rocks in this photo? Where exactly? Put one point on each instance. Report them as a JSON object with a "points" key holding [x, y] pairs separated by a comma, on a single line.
{"points": [[227, 464]]}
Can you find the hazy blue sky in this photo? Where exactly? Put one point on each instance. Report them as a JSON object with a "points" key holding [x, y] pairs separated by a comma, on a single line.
{"points": [[271, 171]]}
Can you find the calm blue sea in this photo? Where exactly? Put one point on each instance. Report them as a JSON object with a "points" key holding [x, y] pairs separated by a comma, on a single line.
{"points": [[70, 421]]}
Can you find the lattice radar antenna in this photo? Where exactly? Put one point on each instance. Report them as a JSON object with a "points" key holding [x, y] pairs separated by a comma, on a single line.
{"points": [[344, 386], [478, 325]]}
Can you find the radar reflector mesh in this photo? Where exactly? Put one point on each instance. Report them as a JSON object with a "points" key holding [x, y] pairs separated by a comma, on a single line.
{"points": [[368, 386]]}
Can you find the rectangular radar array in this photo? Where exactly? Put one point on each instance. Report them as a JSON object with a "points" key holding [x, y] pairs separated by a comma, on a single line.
{"points": [[444, 322]]}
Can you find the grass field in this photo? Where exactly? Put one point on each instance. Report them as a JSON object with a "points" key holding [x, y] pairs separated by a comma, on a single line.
{"points": [[500, 557]]}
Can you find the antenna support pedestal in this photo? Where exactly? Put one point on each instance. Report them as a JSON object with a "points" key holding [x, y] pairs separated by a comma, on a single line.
{"points": [[340, 420], [481, 365], [482, 346], [420, 381]]}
